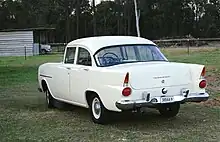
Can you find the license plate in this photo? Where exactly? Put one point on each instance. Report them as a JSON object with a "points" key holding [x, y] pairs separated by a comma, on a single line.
{"points": [[167, 99]]}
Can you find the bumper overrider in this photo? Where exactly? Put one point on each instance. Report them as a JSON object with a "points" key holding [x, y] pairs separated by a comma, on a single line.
{"points": [[132, 104]]}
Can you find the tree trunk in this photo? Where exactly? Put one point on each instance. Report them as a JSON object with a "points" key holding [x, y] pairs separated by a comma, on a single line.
{"points": [[94, 18], [85, 27], [125, 18], [77, 18], [129, 23], [67, 25], [119, 25]]}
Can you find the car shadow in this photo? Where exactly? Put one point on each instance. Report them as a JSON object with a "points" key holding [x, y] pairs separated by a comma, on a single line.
{"points": [[148, 119]]}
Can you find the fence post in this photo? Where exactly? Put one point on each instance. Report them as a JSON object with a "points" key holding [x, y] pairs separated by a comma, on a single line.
{"points": [[188, 46], [25, 53]]}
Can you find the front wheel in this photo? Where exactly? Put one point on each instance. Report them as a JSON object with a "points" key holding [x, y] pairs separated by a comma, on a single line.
{"points": [[49, 99], [43, 51], [98, 112], [169, 110]]}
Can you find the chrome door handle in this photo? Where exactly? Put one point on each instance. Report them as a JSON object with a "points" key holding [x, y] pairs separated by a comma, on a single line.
{"points": [[85, 69]]}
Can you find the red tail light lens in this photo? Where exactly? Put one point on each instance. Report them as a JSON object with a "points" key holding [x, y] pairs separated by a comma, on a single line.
{"points": [[126, 91], [203, 72], [126, 80], [202, 84]]}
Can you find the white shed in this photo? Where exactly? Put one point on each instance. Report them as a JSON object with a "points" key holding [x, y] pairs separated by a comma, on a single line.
{"points": [[15, 42]]}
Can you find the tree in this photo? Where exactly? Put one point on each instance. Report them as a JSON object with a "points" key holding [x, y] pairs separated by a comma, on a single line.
{"points": [[94, 17], [210, 22], [78, 18]]}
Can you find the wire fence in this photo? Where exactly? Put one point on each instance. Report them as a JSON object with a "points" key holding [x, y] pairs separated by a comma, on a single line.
{"points": [[187, 43]]}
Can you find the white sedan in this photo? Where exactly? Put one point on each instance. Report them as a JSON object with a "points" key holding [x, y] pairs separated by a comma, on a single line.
{"points": [[120, 73]]}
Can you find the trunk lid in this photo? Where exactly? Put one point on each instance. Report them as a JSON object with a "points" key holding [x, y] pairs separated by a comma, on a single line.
{"points": [[157, 74]]}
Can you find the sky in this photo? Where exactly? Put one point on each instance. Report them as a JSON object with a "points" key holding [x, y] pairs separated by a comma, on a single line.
{"points": [[97, 1]]}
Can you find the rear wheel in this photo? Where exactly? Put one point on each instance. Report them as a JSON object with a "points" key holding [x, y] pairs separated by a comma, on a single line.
{"points": [[43, 51], [49, 99], [98, 112], [169, 110]]}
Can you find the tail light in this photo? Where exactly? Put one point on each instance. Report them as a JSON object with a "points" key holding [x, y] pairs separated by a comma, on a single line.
{"points": [[203, 73], [126, 91], [202, 84], [126, 80]]}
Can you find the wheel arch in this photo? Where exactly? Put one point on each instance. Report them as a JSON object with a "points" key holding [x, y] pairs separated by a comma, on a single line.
{"points": [[45, 86], [89, 93]]}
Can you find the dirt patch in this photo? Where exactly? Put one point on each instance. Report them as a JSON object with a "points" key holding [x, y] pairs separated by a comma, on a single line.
{"points": [[211, 68], [211, 78], [213, 89], [212, 102], [213, 83]]}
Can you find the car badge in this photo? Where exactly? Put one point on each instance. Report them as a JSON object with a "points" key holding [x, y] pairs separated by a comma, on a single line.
{"points": [[163, 81], [164, 91]]}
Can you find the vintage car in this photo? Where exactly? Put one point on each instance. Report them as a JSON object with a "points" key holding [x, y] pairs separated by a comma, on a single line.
{"points": [[120, 73]]}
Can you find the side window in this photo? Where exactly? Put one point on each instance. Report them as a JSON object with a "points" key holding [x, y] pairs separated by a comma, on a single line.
{"points": [[145, 54], [70, 55], [84, 57], [131, 53]]}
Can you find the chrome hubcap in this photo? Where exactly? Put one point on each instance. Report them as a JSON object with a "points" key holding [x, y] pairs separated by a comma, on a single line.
{"points": [[96, 108]]}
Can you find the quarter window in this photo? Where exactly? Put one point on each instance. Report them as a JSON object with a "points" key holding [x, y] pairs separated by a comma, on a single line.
{"points": [[84, 57], [70, 55]]}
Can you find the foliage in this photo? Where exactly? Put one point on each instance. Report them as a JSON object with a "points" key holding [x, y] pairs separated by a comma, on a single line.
{"points": [[74, 18]]}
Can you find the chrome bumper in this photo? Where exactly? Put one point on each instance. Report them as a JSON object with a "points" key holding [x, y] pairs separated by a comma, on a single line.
{"points": [[132, 104]]}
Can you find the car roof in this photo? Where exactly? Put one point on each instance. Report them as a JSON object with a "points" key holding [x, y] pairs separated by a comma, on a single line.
{"points": [[98, 42]]}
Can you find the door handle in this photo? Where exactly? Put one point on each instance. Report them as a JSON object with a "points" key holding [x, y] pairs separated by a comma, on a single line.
{"points": [[85, 69], [68, 68]]}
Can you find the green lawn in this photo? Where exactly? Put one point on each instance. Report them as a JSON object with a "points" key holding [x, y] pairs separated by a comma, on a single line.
{"points": [[24, 116]]}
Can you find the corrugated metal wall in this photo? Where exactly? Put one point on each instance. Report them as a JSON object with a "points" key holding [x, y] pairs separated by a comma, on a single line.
{"points": [[13, 43]]}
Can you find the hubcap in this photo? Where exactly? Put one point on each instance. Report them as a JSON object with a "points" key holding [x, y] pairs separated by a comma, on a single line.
{"points": [[96, 108], [168, 109]]}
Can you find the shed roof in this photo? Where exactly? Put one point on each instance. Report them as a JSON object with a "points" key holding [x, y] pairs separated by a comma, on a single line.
{"points": [[27, 29]]}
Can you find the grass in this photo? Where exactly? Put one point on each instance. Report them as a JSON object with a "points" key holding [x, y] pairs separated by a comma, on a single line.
{"points": [[24, 116], [16, 70]]}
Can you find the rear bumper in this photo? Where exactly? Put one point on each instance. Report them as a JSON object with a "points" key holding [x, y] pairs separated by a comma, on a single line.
{"points": [[130, 104], [196, 99]]}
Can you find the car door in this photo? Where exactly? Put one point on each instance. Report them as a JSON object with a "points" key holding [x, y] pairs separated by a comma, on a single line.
{"points": [[63, 75], [79, 75]]}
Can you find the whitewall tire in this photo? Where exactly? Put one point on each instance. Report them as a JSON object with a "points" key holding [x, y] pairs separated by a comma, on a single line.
{"points": [[98, 112]]}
